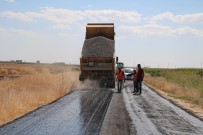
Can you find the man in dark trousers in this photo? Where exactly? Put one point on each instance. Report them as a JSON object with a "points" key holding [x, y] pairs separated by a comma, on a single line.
{"points": [[134, 80], [120, 78], [139, 76]]}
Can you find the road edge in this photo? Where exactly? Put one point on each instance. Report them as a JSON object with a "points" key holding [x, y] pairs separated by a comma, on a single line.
{"points": [[37, 108], [175, 102]]}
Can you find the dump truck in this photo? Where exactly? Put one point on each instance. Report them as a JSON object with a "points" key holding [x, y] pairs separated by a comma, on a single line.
{"points": [[97, 60]]}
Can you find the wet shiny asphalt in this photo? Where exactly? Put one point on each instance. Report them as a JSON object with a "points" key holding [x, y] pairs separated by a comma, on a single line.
{"points": [[81, 112]]}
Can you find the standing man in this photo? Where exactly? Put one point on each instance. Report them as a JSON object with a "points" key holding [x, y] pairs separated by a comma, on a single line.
{"points": [[120, 78], [139, 77], [134, 80]]}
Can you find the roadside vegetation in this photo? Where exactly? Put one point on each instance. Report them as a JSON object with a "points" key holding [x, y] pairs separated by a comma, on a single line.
{"points": [[24, 88], [185, 84]]}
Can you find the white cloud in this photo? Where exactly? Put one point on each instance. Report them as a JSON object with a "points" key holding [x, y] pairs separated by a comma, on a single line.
{"points": [[25, 17], [67, 35], [34, 35], [3, 31], [187, 18], [147, 30], [63, 18], [112, 16], [23, 33], [160, 30], [188, 31], [10, 1], [19, 32], [126, 20]]}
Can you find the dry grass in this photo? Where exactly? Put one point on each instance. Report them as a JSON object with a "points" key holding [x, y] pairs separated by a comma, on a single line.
{"points": [[38, 86], [174, 88]]}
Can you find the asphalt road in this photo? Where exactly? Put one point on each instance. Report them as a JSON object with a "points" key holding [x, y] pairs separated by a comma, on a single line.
{"points": [[154, 115], [106, 112], [79, 113]]}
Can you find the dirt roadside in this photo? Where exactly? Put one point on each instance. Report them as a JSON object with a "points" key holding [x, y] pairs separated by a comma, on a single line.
{"points": [[188, 107]]}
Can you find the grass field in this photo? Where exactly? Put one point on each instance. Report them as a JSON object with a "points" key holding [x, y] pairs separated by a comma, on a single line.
{"points": [[23, 87], [185, 84]]}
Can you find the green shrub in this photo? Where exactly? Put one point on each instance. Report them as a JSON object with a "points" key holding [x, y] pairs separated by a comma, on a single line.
{"points": [[154, 73]]}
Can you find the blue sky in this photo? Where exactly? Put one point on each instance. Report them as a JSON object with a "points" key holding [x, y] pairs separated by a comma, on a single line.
{"points": [[154, 33]]}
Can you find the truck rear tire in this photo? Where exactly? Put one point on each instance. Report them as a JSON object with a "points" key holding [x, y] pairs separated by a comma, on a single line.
{"points": [[112, 84]]}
